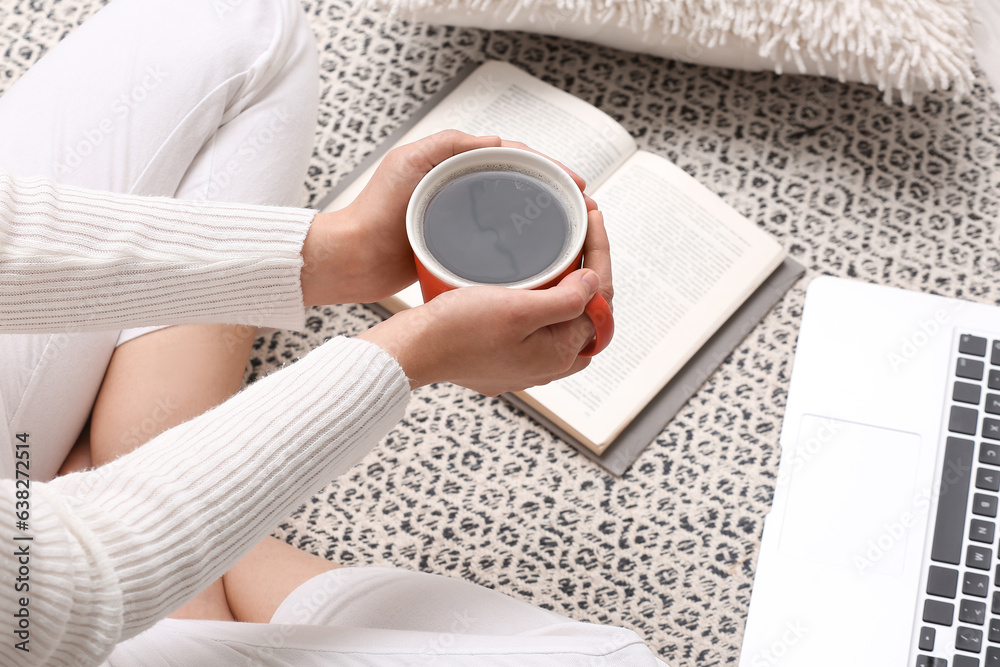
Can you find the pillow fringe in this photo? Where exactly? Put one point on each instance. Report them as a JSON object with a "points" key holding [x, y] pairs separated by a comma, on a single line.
{"points": [[904, 45]]}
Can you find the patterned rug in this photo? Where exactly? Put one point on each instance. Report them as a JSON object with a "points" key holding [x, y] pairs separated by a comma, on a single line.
{"points": [[469, 487]]}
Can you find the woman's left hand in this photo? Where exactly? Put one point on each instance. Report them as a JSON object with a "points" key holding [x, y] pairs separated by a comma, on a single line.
{"points": [[361, 253]]}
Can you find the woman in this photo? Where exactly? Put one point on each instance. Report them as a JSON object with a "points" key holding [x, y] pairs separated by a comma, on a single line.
{"points": [[202, 104]]}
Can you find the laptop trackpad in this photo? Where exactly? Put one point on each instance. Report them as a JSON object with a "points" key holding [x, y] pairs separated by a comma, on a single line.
{"points": [[851, 499]]}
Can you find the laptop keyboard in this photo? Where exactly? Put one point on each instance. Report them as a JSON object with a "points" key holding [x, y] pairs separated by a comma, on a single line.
{"points": [[961, 607]]}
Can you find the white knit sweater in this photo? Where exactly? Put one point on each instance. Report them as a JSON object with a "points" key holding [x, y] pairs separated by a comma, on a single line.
{"points": [[113, 550]]}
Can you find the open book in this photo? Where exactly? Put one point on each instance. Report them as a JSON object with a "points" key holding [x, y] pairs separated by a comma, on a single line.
{"points": [[683, 259]]}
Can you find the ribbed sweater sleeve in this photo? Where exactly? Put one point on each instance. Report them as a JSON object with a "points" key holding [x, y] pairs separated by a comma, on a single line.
{"points": [[117, 548], [73, 259], [113, 550]]}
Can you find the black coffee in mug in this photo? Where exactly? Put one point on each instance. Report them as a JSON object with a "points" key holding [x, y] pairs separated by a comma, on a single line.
{"points": [[501, 216], [496, 226]]}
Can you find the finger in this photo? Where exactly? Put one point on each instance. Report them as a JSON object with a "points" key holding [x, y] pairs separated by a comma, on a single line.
{"points": [[597, 252], [425, 154], [562, 303], [591, 204], [550, 352], [560, 344], [582, 184], [447, 143], [578, 365], [575, 334]]}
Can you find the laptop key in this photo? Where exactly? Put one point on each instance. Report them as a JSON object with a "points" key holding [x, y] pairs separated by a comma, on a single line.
{"points": [[970, 611], [967, 393], [993, 380], [995, 357], [926, 642], [969, 639], [963, 661], [949, 524], [982, 531], [994, 628], [970, 369], [975, 584], [991, 429], [992, 656], [942, 581], [988, 479], [989, 454], [978, 558], [973, 345], [963, 420], [928, 661], [984, 505], [992, 402], [939, 613]]}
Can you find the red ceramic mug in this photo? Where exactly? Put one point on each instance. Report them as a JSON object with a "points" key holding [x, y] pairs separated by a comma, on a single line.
{"points": [[501, 216]]}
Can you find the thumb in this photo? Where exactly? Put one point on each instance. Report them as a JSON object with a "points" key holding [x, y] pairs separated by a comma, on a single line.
{"points": [[564, 302]]}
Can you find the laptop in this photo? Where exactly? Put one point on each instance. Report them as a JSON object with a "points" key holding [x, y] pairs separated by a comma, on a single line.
{"points": [[881, 545]]}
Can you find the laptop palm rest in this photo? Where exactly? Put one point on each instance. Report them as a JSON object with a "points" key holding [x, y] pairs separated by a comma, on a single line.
{"points": [[844, 549], [851, 497]]}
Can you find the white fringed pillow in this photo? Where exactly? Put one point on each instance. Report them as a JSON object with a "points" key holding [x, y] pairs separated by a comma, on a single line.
{"points": [[898, 45]]}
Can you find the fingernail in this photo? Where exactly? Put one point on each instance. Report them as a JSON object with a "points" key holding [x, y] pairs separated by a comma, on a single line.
{"points": [[592, 282]]}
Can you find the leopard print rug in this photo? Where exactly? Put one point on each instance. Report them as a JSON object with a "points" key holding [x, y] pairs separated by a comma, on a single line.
{"points": [[468, 486]]}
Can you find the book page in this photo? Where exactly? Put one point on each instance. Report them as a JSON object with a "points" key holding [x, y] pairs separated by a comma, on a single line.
{"points": [[683, 261], [500, 99]]}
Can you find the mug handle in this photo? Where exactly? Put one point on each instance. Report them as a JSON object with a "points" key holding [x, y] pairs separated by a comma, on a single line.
{"points": [[599, 312]]}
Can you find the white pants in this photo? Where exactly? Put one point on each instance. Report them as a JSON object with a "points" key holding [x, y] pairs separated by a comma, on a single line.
{"points": [[379, 617], [215, 100], [184, 98]]}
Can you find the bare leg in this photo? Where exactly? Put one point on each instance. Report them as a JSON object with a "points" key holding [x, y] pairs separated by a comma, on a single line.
{"points": [[162, 379], [209, 605], [157, 381], [165, 378], [79, 456], [262, 579]]}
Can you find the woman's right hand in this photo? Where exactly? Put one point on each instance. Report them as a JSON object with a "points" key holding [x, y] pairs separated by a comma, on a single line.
{"points": [[493, 339]]}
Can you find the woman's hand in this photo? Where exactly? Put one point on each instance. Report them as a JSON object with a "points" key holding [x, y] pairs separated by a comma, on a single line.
{"points": [[361, 253], [490, 339], [493, 339]]}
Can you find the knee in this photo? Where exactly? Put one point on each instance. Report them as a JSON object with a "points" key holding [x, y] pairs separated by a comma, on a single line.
{"points": [[231, 36], [258, 25]]}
